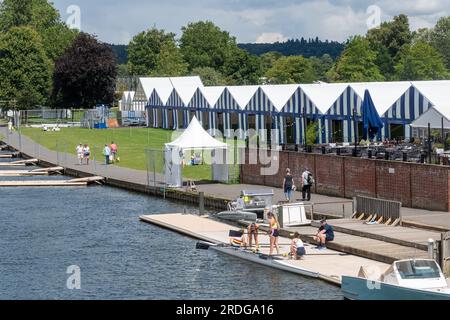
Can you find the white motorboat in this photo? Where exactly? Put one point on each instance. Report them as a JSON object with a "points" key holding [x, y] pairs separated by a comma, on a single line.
{"points": [[413, 279]]}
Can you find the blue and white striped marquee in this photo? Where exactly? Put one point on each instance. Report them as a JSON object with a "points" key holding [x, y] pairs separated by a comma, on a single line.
{"points": [[398, 103]]}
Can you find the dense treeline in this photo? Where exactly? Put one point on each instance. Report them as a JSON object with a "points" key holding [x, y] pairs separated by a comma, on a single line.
{"points": [[121, 52], [298, 47], [44, 62]]}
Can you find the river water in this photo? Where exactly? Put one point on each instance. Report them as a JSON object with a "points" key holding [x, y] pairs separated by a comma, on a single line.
{"points": [[43, 231]]}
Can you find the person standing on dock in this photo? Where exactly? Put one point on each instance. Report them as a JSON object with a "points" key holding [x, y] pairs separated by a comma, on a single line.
{"points": [[288, 185], [252, 231], [274, 232], [107, 154], [80, 153], [307, 183]]}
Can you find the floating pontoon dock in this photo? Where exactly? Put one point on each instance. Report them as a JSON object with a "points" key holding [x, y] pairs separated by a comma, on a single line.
{"points": [[8, 155], [53, 183], [20, 163], [327, 265], [30, 173]]}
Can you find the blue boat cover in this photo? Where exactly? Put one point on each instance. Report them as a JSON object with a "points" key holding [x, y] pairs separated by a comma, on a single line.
{"points": [[371, 119]]}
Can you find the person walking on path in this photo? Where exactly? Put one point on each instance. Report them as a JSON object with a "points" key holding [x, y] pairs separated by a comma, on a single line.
{"points": [[86, 153], [113, 148], [274, 233], [10, 126], [288, 185], [307, 183], [107, 154], [80, 153]]}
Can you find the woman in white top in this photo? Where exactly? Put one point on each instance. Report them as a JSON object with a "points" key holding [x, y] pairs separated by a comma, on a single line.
{"points": [[80, 153], [297, 247]]}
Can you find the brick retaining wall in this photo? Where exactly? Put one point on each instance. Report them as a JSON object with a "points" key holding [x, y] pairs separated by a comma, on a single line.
{"points": [[415, 185]]}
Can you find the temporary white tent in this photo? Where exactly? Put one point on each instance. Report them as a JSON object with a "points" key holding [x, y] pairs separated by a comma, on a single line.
{"points": [[193, 138], [433, 117]]}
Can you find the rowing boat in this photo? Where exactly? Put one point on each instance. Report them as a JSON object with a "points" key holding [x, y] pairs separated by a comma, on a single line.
{"points": [[276, 262]]}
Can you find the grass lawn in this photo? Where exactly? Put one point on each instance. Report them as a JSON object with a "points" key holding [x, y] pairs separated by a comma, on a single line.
{"points": [[132, 142]]}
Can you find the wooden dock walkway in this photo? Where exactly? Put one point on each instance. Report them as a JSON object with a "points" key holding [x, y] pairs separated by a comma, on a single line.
{"points": [[20, 163], [53, 183], [409, 237], [31, 173], [329, 265]]}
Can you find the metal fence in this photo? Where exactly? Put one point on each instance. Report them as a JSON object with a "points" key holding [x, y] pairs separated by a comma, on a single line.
{"points": [[389, 211]]}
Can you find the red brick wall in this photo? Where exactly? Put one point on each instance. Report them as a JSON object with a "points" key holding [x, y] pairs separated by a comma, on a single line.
{"points": [[415, 185], [429, 186], [393, 181], [360, 177], [330, 175]]}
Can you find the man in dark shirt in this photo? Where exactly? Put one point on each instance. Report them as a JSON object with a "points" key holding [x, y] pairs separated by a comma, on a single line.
{"points": [[324, 235]]}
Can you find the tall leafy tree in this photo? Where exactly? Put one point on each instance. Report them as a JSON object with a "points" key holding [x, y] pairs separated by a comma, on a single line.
{"points": [[440, 38], [357, 63], [321, 66], [86, 74], [420, 61], [147, 48], [387, 41], [203, 44], [242, 68], [293, 69], [43, 17], [209, 76], [25, 70], [268, 59], [170, 62]]}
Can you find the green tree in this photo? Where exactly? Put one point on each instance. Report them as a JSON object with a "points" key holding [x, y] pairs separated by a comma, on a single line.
{"points": [[357, 63], [86, 74], [321, 66], [293, 69], [440, 38], [242, 68], [44, 18], [25, 70], [387, 41], [268, 59], [203, 44], [146, 50], [209, 76], [420, 61], [170, 62]]}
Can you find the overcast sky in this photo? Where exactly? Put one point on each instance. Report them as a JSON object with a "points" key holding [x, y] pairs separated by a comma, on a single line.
{"points": [[250, 20]]}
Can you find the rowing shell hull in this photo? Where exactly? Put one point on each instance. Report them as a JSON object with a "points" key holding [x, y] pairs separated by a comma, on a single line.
{"points": [[265, 261]]}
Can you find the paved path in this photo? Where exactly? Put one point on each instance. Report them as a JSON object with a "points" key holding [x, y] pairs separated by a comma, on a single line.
{"points": [[26, 145]]}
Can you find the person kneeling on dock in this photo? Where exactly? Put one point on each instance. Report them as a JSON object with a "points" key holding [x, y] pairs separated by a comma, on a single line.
{"points": [[252, 231], [239, 242], [324, 235], [297, 247]]}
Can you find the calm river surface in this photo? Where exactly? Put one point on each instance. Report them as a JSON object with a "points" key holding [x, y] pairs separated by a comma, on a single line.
{"points": [[43, 231]]}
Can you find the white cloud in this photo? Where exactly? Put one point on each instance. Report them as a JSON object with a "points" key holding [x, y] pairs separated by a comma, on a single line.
{"points": [[271, 37], [248, 20]]}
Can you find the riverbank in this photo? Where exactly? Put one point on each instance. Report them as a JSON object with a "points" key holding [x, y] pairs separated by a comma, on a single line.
{"points": [[384, 247]]}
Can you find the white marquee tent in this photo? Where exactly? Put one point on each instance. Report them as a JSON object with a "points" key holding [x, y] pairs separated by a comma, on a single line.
{"points": [[193, 138]]}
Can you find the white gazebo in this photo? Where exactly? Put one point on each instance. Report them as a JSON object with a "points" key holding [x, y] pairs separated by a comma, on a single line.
{"points": [[194, 138]]}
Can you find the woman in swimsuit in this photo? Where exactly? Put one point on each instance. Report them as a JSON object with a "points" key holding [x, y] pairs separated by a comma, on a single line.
{"points": [[273, 233]]}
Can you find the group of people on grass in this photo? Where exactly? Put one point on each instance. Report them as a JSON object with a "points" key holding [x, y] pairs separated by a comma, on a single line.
{"points": [[324, 235], [109, 152], [306, 181]]}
